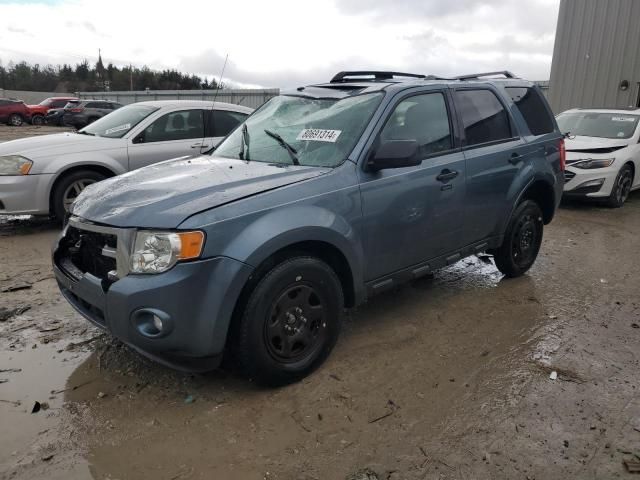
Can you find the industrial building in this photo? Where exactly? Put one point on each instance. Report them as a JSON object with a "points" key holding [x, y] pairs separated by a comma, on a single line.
{"points": [[596, 56]]}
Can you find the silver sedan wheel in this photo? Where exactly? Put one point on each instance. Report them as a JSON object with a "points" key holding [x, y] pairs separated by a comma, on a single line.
{"points": [[73, 190]]}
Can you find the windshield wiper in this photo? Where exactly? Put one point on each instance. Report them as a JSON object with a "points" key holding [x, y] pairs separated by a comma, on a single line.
{"points": [[86, 133], [244, 141], [292, 151]]}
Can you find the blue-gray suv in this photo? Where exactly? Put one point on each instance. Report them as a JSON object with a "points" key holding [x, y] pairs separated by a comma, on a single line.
{"points": [[323, 197]]}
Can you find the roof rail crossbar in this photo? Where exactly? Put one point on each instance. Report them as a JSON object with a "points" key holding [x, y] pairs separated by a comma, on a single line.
{"points": [[471, 76], [377, 75]]}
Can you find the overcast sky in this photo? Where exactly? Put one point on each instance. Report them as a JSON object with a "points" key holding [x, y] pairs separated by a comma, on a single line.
{"points": [[285, 43]]}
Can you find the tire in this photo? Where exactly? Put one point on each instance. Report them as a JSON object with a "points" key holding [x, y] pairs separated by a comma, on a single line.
{"points": [[621, 187], [15, 120], [522, 240], [68, 187], [290, 322], [37, 120]]}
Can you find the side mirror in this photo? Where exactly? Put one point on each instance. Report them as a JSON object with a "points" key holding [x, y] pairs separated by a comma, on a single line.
{"points": [[394, 154], [139, 138]]}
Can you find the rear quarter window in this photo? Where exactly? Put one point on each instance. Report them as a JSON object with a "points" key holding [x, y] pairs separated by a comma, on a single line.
{"points": [[483, 117], [533, 109]]}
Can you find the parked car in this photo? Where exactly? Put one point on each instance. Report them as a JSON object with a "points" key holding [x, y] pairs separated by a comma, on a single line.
{"points": [[39, 112], [43, 175], [603, 153], [13, 112], [55, 116], [88, 111], [325, 196]]}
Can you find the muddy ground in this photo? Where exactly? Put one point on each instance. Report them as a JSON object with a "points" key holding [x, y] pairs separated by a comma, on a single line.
{"points": [[445, 378]]}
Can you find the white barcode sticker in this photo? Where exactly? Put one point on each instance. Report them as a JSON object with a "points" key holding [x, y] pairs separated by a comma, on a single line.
{"points": [[319, 135]]}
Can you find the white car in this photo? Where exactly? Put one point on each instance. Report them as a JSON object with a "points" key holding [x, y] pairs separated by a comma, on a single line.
{"points": [[603, 154], [43, 175]]}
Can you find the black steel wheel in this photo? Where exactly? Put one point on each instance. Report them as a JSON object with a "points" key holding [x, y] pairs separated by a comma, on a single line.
{"points": [[290, 321], [621, 187], [522, 240], [297, 324]]}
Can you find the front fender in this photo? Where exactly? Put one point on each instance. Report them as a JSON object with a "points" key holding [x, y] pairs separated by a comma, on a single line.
{"points": [[260, 238], [64, 162]]}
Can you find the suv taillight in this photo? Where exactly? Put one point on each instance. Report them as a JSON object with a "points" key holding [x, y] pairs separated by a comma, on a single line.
{"points": [[76, 110], [563, 156]]}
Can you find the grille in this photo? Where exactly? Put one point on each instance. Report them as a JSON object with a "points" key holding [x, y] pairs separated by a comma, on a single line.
{"points": [[84, 250], [568, 175]]}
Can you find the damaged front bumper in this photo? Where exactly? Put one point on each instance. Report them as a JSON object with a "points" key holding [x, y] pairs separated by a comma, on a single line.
{"points": [[192, 303]]}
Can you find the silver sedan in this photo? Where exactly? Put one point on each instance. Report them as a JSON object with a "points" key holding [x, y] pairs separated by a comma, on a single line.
{"points": [[43, 175]]}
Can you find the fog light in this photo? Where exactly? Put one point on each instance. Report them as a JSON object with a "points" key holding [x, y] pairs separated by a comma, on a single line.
{"points": [[592, 183], [151, 322]]}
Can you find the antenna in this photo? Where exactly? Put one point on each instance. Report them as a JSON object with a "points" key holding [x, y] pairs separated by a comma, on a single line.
{"points": [[213, 103]]}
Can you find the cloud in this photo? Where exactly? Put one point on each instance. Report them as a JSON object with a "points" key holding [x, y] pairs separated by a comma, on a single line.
{"points": [[289, 42], [210, 64]]}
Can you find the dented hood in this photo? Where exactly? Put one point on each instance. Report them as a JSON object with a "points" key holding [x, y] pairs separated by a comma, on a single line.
{"points": [[165, 194]]}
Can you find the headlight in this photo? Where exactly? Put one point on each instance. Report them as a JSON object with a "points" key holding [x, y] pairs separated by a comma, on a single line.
{"points": [[157, 252], [14, 165], [593, 163]]}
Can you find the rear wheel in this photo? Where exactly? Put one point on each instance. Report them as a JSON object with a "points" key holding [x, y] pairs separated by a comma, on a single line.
{"points": [[15, 120], [69, 187], [37, 120], [290, 322], [522, 240], [621, 187]]}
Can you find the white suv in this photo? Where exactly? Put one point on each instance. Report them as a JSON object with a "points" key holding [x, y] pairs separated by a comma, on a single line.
{"points": [[603, 153]]}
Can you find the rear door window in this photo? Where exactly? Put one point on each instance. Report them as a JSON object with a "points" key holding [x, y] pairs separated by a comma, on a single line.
{"points": [[484, 118], [533, 109], [180, 125], [223, 122]]}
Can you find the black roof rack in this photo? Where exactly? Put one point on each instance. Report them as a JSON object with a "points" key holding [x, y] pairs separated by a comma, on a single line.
{"points": [[377, 75], [473, 76]]}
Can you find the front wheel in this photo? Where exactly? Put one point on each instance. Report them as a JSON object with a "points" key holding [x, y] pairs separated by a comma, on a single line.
{"points": [[37, 120], [522, 240], [621, 187], [290, 322], [15, 120], [68, 189]]}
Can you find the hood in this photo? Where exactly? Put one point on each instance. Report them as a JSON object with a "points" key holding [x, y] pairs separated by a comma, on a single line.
{"points": [[594, 144], [50, 145], [165, 194]]}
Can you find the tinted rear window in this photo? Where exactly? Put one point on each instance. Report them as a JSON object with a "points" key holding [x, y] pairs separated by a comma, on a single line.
{"points": [[533, 110], [483, 116]]}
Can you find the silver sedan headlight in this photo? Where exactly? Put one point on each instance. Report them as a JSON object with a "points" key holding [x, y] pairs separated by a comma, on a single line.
{"points": [[157, 252], [14, 165]]}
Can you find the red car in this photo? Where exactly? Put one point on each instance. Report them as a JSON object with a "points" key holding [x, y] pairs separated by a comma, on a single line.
{"points": [[13, 112], [38, 112]]}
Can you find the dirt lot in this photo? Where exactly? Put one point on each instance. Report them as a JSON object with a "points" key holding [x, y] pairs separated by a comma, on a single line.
{"points": [[446, 378]]}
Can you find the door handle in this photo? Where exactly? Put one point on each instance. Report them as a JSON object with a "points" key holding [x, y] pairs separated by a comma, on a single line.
{"points": [[515, 158], [199, 145], [446, 175]]}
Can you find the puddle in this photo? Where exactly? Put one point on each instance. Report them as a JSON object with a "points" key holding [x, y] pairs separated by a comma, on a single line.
{"points": [[36, 375]]}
